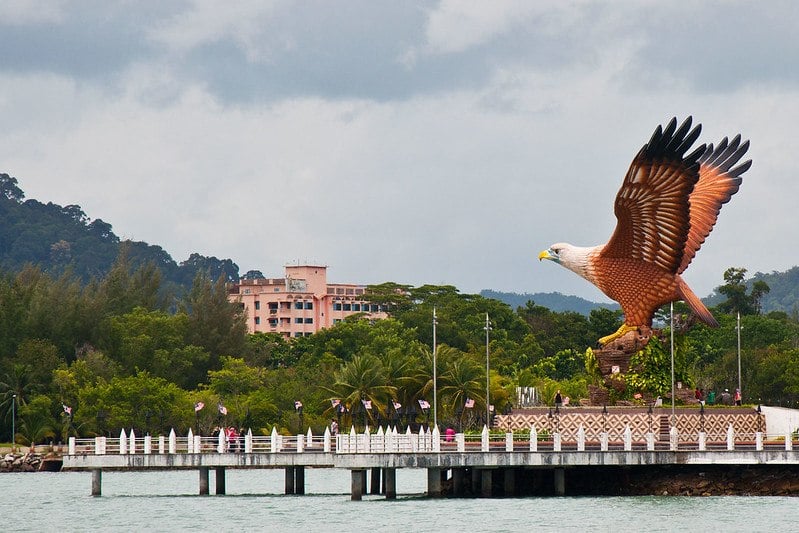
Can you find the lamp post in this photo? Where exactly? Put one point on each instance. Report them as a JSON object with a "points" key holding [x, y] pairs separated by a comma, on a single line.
{"points": [[673, 397], [13, 423], [488, 379], [435, 384], [738, 327]]}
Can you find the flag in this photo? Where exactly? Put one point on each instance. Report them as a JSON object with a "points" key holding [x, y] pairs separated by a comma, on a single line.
{"points": [[396, 405], [222, 408], [367, 404], [469, 403], [198, 406], [67, 409], [335, 402], [424, 404], [297, 405]]}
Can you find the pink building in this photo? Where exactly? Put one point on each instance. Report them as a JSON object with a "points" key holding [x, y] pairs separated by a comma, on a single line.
{"points": [[301, 303]]}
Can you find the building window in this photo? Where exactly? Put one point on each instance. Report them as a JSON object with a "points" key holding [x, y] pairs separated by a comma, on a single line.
{"points": [[273, 322], [339, 291], [257, 320], [309, 305], [350, 291], [298, 333], [359, 291], [336, 306], [347, 307], [297, 305], [356, 307], [309, 320], [273, 306], [277, 289], [298, 320], [257, 305]]}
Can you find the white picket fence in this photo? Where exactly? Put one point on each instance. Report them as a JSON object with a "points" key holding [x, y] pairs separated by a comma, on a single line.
{"points": [[392, 441]]}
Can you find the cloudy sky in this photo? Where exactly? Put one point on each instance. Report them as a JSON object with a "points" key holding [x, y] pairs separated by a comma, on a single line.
{"points": [[417, 142]]}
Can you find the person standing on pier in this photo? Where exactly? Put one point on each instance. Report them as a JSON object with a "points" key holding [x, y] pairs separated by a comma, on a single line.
{"points": [[558, 399]]}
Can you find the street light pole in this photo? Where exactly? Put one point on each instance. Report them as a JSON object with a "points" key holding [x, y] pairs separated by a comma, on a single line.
{"points": [[488, 381], [13, 423], [435, 384], [738, 327], [671, 327]]}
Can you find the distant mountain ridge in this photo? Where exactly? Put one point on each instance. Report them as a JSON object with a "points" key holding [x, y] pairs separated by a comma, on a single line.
{"points": [[553, 301]]}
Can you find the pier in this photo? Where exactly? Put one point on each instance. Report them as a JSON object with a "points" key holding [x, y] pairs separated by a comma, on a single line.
{"points": [[517, 462]]}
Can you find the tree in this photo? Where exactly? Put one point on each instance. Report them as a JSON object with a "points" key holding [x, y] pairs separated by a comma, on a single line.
{"points": [[363, 379], [738, 300]]}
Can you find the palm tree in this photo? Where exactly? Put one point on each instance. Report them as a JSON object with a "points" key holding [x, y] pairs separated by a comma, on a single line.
{"points": [[464, 378], [363, 379]]}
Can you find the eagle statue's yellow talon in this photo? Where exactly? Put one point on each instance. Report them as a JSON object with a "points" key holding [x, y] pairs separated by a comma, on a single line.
{"points": [[622, 331]]}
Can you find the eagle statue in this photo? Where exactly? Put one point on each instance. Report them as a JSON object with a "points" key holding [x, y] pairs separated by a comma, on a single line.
{"points": [[665, 209]]}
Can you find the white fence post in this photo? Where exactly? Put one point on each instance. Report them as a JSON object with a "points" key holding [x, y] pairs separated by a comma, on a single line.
{"points": [[533, 439], [161, 443], [132, 442], [190, 442], [788, 441], [148, 444], [71, 450], [103, 443], [326, 442], [173, 441], [759, 441], [508, 442], [673, 439], [730, 438], [273, 441], [198, 444], [309, 438], [97, 448], [123, 442], [556, 442], [628, 439], [702, 441], [603, 441], [436, 436], [650, 441], [484, 439], [300, 443], [248, 441], [460, 442], [580, 439]]}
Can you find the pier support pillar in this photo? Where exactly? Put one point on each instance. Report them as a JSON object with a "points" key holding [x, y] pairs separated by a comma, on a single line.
{"points": [[560, 481], [486, 489], [289, 470], [357, 483], [299, 480], [97, 482], [434, 482], [510, 481], [476, 480], [390, 477], [458, 481], [204, 481], [220, 479], [375, 482]]}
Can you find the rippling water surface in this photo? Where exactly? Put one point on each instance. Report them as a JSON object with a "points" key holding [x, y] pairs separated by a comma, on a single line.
{"points": [[168, 501]]}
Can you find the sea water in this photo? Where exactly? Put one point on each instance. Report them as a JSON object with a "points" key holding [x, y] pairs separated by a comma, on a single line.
{"points": [[169, 501]]}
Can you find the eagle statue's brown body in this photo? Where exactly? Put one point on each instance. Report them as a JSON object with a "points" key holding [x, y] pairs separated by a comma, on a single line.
{"points": [[666, 208]]}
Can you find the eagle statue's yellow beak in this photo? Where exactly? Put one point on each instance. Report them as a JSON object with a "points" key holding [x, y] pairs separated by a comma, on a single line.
{"points": [[544, 255]]}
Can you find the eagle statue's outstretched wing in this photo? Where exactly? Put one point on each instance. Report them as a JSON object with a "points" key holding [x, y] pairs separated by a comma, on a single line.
{"points": [[666, 207]]}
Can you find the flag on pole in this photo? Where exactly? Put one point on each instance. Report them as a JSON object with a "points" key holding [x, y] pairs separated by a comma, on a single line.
{"points": [[469, 403], [297, 405], [67, 409], [396, 405], [335, 402], [367, 404], [222, 409], [198, 406], [424, 404]]}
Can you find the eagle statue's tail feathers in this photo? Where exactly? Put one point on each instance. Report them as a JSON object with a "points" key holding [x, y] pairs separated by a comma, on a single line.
{"points": [[696, 304]]}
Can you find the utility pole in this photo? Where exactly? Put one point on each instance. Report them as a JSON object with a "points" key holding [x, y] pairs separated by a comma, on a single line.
{"points": [[488, 380], [435, 384]]}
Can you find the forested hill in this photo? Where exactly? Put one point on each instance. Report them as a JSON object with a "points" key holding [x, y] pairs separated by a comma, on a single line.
{"points": [[553, 301], [57, 238], [783, 292]]}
